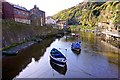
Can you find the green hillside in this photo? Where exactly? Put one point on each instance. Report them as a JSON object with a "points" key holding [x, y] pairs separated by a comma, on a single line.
{"points": [[90, 13]]}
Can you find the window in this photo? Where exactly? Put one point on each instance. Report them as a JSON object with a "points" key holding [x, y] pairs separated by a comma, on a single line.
{"points": [[26, 14], [23, 13], [19, 12]]}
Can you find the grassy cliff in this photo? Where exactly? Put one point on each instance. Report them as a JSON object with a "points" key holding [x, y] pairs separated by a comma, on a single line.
{"points": [[91, 13]]}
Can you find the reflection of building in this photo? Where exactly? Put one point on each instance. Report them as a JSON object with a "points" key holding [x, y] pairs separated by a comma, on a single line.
{"points": [[20, 14], [37, 16]]}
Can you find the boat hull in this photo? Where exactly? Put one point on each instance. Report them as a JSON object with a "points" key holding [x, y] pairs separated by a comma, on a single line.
{"points": [[74, 49], [76, 46], [57, 61]]}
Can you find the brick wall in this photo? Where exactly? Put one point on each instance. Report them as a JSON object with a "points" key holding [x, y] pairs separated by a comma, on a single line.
{"points": [[0, 9], [21, 14], [7, 11]]}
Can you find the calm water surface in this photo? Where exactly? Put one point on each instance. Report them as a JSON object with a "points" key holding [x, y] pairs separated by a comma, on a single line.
{"points": [[34, 62]]}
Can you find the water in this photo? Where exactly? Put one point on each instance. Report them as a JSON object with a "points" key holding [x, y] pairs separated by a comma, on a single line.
{"points": [[34, 62]]}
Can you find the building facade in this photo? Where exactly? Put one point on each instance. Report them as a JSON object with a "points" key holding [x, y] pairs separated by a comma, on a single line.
{"points": [[61, 24], [49, 20], [20, 14], [37, 16], [7, 11], [15, 12]]}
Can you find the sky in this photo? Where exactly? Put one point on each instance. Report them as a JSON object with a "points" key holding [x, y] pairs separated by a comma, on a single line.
{"points": [[50, 7]]}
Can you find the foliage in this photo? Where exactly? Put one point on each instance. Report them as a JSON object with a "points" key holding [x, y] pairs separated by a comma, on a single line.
{"points": [[92, 13]]}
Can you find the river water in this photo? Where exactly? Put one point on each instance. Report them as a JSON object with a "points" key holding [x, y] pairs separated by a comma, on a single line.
{"points": [[94, 60]]}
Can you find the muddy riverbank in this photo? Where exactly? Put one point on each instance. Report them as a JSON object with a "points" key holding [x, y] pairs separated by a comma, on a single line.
{"points": [[14, 50]]}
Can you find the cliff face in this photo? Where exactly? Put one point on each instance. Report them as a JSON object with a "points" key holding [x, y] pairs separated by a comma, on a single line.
{"points": [[13, 32]]}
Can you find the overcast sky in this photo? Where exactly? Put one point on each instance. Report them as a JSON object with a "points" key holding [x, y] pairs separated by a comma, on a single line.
{"points": [[51, 7]]}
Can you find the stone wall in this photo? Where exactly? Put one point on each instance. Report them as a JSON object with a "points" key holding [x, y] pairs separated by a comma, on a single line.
{"points": [[13, 32]]}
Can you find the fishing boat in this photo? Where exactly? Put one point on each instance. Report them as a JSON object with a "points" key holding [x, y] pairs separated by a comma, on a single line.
{"points": [[76, 46], [57, 57]]}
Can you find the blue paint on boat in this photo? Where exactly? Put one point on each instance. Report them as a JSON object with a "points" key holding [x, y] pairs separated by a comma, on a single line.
{"points": [[57, 57], [76, 46]]}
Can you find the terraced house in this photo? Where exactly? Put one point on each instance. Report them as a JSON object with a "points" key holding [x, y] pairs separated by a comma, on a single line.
{"points": [[15, 12], [37, 16], [21, 14]]}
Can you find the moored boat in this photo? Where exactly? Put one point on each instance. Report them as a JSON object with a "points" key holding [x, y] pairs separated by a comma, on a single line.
{"points": [[57, 57], [76, 46]]}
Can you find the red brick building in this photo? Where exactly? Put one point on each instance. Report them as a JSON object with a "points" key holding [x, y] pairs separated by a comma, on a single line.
{"points": [[7, 11], [20, 14], [15, 12]]}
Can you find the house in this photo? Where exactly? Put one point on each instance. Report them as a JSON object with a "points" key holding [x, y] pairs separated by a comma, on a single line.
{"points": [[21, 14], [37, 16], [7, 11], [15, 12], [50, 21], [61, 24]]}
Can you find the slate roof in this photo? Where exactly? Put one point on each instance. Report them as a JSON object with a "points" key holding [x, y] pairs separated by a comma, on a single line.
{"points": [[20, 7]]}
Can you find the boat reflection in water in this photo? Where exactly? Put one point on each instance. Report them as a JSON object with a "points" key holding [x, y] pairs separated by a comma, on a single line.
{"points": [[76, 52], [59, 68]]}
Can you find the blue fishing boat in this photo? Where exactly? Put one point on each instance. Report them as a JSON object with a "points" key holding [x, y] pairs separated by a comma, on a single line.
{"points": [[76, 46], [57, 57]]}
